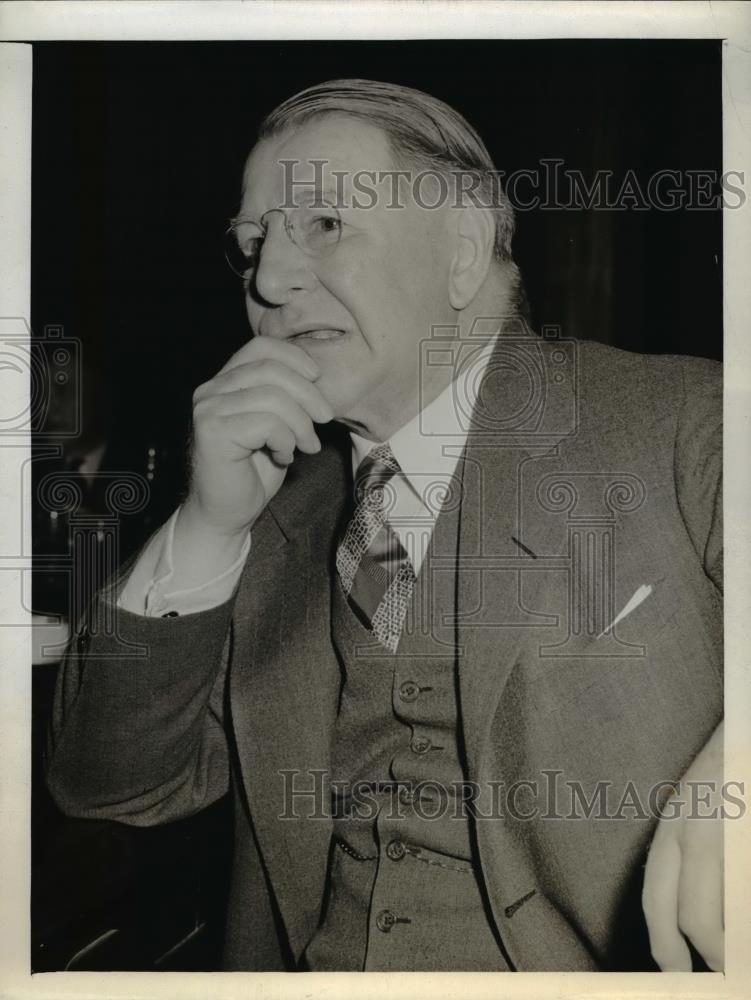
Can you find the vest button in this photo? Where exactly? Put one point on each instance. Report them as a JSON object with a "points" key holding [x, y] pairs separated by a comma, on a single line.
{"points": [[83, 641], [385, 921], [409, 691], [407, 795], [396, 850], [420, 744]]}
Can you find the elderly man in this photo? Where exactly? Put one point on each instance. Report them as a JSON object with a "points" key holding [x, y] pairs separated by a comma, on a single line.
{"points": [[453, 663]]}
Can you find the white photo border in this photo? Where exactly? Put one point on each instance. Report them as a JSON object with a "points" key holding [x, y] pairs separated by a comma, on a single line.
{"points": [[24, 22]]}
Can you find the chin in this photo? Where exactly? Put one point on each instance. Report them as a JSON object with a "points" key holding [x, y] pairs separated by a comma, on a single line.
{"points": [[342, 398]]}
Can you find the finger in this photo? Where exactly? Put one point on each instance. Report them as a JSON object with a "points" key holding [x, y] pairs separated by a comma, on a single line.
{"points": [[660, 902], [284, 351], [266, 400], [268, 372], [264, 431], [700, 905]]}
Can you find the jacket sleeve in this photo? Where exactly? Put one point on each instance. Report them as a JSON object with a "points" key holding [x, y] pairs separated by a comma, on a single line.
{"points": [[136, 733], [698, 461]]}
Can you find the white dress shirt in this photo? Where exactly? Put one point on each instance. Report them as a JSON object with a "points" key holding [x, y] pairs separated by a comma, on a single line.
{"points": [[427, 449]]}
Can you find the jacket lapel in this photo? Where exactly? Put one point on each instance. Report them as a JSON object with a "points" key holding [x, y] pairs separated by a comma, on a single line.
{"points": [[284, 685], [488, 627], [509, 431]]}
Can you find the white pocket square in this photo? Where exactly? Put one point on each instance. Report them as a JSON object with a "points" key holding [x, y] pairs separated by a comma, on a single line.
{"points": [[640, 595]]}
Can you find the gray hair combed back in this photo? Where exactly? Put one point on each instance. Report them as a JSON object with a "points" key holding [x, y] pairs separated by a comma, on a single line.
{"points": [[421, 129]]}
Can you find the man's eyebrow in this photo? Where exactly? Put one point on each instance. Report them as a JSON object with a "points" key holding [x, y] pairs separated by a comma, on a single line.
{"points": [[308, 196], [317, 193]]}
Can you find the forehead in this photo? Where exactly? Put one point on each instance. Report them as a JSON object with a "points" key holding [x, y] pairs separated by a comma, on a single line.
{"points": [[346, 146]]}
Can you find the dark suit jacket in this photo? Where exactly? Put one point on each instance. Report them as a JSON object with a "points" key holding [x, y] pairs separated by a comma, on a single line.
{"points": [[629, 488]]}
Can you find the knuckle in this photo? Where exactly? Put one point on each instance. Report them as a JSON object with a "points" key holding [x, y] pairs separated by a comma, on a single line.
{"points": [[205, 409], [285, 435], [265, 394], [201, 391], [223, 382], [271, 423], [200, 406], [268, 368]]}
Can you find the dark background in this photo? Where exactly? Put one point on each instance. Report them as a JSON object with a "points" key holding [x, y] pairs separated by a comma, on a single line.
{"points": [[137, 156], [138, 150]]}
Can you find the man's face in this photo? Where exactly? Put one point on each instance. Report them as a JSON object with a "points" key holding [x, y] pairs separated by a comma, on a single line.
{"points": [[361, 311]]}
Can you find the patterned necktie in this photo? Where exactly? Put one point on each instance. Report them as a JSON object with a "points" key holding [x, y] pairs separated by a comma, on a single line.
{"points": [[376, 573]]}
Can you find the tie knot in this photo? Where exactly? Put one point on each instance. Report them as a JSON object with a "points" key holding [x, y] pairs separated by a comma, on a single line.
{"points": [[375, 471]]}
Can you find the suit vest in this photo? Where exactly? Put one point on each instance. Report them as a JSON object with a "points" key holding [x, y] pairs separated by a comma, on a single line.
{"points": [[404, 887]]}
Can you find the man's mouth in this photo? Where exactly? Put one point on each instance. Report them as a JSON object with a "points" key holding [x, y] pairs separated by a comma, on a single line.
{"points": [[318, 334]]}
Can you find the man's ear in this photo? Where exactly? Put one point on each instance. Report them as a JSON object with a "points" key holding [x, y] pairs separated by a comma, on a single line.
{"points": [[475, 238]]}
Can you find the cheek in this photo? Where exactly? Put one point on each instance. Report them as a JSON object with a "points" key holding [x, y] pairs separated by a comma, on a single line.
{"points": [[357, 288], [381, 290], [413, 272]]}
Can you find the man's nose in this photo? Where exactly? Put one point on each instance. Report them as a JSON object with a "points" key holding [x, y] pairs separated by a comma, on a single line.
{"points": [[283, 268]]}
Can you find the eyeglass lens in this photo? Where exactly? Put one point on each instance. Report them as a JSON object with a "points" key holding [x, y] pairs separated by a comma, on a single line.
{"points": [[316, 231]]}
